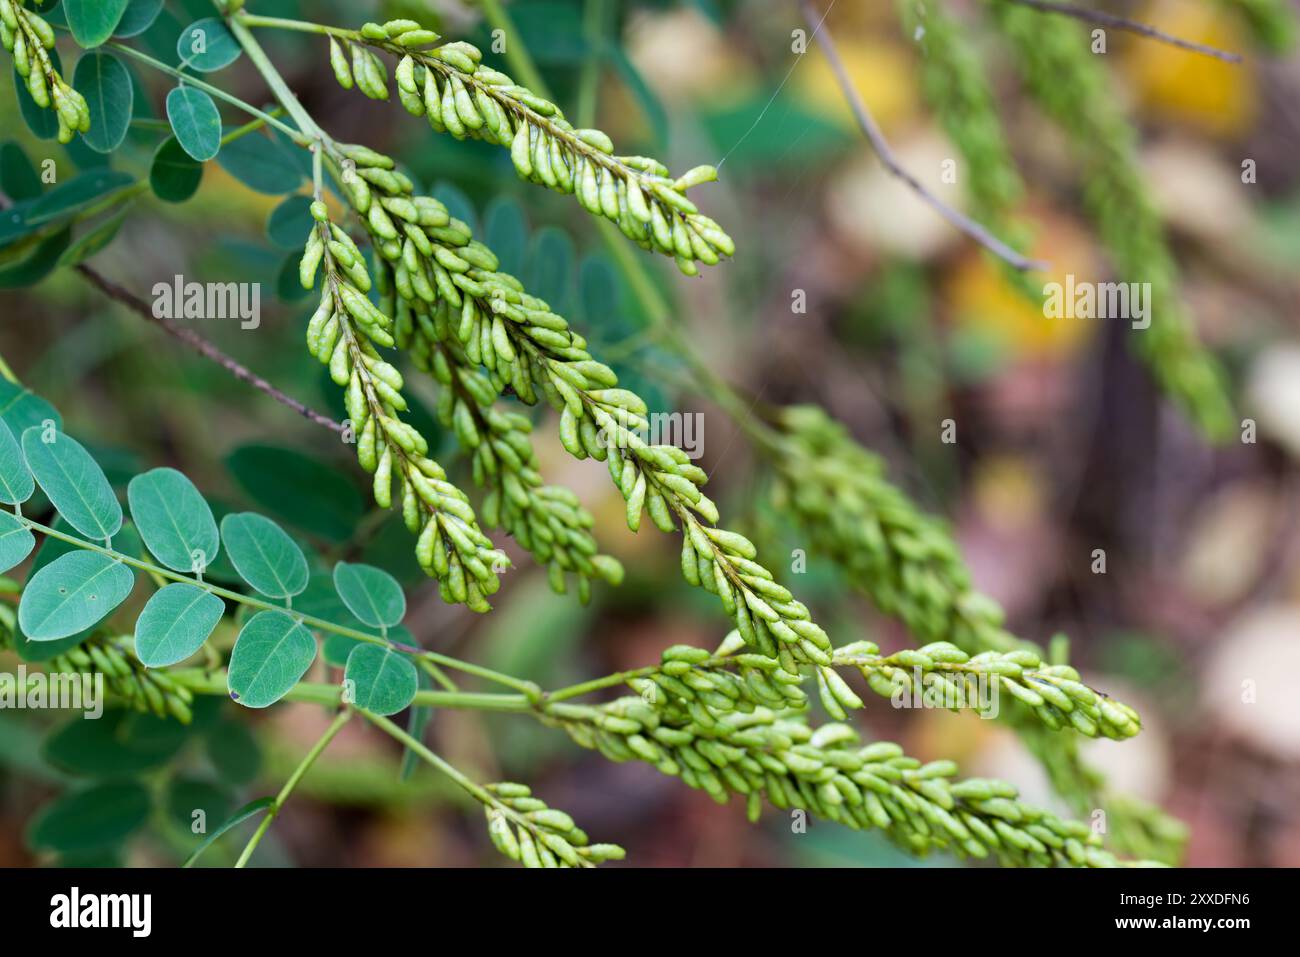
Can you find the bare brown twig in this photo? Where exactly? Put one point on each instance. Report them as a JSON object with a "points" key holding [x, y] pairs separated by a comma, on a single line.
{"points": [[1132, 26], [886, 155], [202, 346]]}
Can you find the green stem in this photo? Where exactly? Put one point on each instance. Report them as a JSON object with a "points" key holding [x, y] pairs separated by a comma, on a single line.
{"points": [[303, 767], [516, 53], [299, 26], [209, 682], [251, 126], [594, 19], [219, 93], [257, 56], [7, 372]]}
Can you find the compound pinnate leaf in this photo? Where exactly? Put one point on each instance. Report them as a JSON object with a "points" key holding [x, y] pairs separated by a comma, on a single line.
{"points": [[175, 623], [264, 554], [195, 121], [72, 593], [271, 655], [16, 541], [380, 680], [250, 809], [174, 519], [174, 175], [93, 818], [207, 45], [74, 482], [370, 593], [105, 82], [93, 21], [16, 482], [21, 408]]}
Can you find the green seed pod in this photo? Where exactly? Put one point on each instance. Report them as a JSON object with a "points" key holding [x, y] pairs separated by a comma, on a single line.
{"points": [[339, 64]]}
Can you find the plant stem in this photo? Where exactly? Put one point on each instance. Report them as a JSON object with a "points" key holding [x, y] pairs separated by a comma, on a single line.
{"points": [[475, 790], [299, 26], [594, 18], [216, 91], [516, 54], [207, 682], [257, 56], [335, 727]]}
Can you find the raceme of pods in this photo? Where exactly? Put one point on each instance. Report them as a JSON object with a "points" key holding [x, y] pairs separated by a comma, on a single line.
{"points": [[525, 830], [903, 558], [907, 562], [1072, 87], [30, 39], [143, 689], [342, 334], [775, 755], [546, 520], [708, 685], [525, 346], [125, 678], [423, 267], [448, 85]]}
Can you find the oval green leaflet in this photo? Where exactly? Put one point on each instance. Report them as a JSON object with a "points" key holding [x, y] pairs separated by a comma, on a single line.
{"points": [[271, 655], [262, 164], [290, 222], [74, 482], [175, 623], [105, 82], [207, 45], [234, 752], [16, 482], [121, 743], [21, 408], [92, 818], [138, 17], [72, 593], [174, 520], [379, 680], [195, 121], [370, 593], [187, 797], [93, 21], [297, 488], [16, 541], [174, 175], [18, 177], [264, 554]]}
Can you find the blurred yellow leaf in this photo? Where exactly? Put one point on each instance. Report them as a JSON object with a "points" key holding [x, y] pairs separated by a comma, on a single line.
{"points": [[983, 298], [882, 73], [1211, 95]]}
